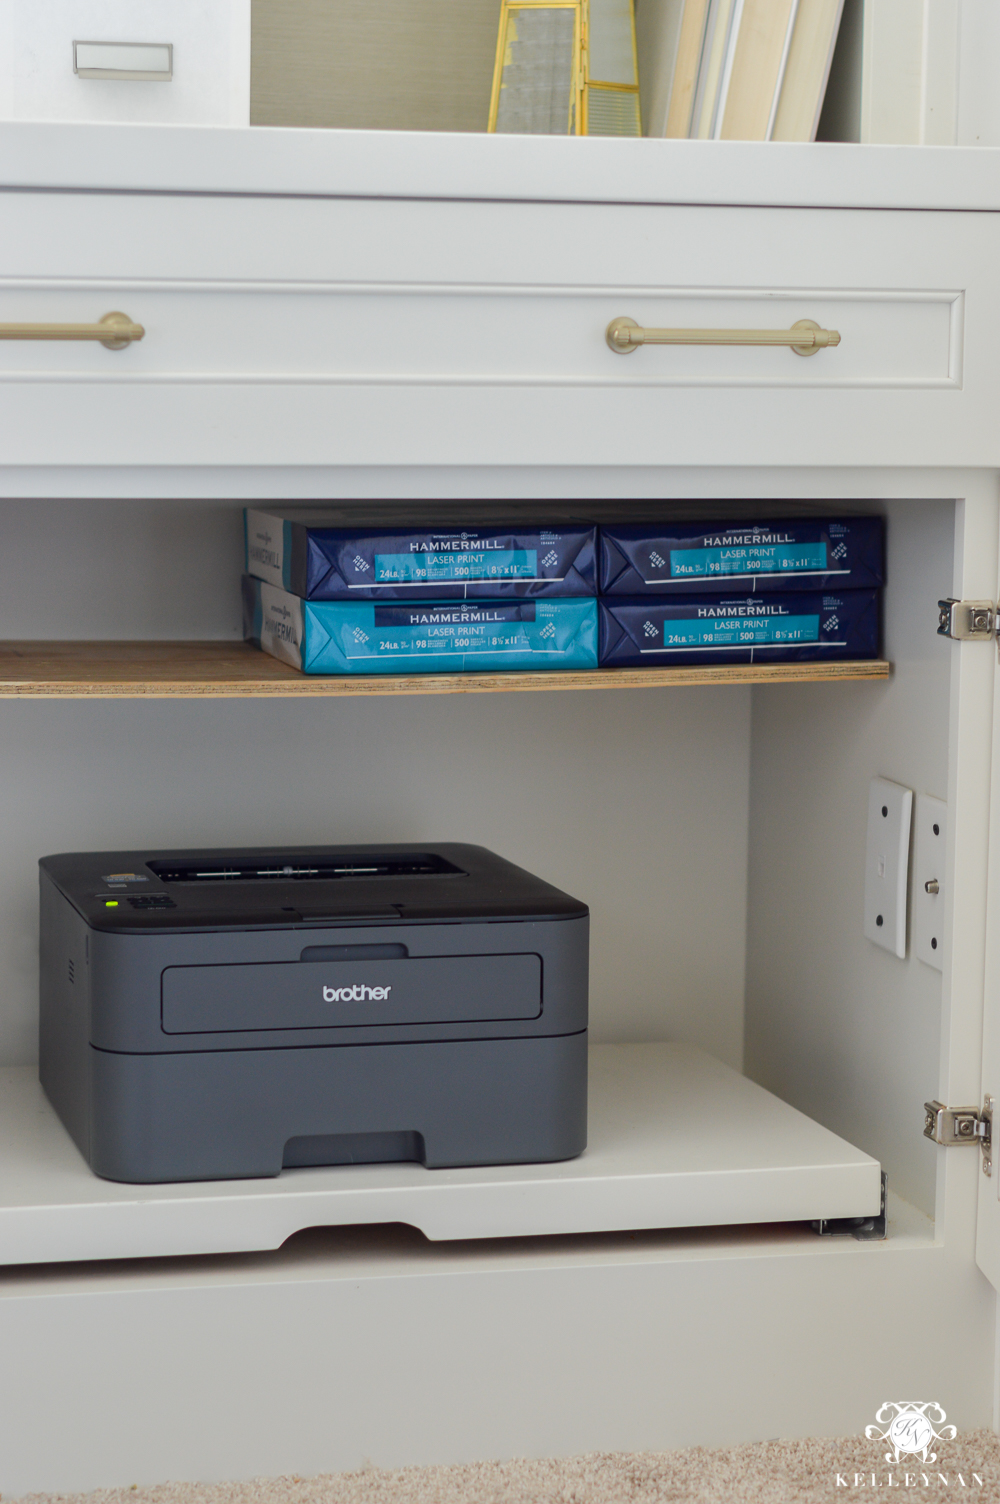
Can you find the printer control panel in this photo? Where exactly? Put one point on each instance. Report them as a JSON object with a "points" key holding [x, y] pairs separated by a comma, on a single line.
{"points": [[301, 887]]}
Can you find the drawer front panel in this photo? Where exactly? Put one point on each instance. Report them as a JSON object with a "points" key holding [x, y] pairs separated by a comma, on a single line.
{"points": [[367, 333], [292, 331]]}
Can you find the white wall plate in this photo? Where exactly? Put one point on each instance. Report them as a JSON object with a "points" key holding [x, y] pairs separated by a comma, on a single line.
{"points": [[886, 864], [930, 832]]}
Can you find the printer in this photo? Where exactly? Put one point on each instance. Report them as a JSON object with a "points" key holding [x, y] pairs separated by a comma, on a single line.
{"points": [[229, 1013]]}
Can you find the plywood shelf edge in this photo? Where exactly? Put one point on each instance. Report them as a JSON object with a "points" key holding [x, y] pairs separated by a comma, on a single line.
{"points": [[226, 670]]}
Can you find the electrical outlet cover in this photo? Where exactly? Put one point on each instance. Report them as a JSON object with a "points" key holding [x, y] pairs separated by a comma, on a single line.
{"points": [[930, 833], [887, 853]]}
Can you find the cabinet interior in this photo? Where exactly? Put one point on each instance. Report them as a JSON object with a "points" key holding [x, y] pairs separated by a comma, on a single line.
{"points": [[900, 73], [717, 833], [410, 65]]}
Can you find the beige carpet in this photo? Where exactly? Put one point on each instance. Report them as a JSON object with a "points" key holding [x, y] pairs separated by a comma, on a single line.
{"points": [[769, 1472]]}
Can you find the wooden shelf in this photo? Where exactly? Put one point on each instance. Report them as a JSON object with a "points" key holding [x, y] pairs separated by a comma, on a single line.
{"points": [[191, 670]]}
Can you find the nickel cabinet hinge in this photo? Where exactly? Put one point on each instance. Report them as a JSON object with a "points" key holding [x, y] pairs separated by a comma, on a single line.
{"points": [[961, 1125], [967, 621]]}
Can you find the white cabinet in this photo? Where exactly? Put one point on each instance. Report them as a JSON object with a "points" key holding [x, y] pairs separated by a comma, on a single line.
{"points": [[474, 333], [339, 324], [211, 50]]}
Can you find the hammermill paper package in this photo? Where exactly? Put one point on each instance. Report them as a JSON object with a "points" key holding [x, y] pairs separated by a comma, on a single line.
{"points": [[677, 558], [316, 556], [787, 628], [421, 637]]}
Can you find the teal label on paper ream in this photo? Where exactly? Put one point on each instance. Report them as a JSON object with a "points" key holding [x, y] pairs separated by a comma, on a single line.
{"points": [[747, 558], [452, 629], [740, 631], [447, 637], [456, 566]]}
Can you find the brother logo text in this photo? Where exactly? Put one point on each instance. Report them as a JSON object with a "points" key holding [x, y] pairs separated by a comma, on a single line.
{"points": [[359, 993]]}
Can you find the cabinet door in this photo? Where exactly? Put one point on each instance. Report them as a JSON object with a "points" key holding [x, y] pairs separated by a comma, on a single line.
{"points": [[974, 902], [333, 331]]}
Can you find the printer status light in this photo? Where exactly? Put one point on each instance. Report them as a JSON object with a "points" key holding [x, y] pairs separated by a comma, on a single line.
{"points": [[111, 903]]}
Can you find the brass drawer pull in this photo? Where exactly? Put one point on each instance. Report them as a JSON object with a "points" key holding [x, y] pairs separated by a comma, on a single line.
{"points": [[804, 338], [115, 331]]}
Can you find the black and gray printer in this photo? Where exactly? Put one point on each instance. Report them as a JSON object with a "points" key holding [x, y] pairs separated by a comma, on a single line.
{"points": [[216, 1014]]}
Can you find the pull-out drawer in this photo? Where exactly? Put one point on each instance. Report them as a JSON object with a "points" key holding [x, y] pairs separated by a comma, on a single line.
{"points": [[333, 331]]}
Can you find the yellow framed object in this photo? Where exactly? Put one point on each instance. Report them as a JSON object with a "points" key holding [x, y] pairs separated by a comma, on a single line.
{"points": [[612, 109], [512, 36], [529, 34]]}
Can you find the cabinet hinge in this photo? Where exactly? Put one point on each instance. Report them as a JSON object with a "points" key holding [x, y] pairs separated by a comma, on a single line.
{"points": [[967, 621], [949, 1126]]}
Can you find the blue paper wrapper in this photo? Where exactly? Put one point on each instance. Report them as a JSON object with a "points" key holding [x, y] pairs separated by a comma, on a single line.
{"points": [[678, 558], [321, 561], [433, 637], [801, 626]]}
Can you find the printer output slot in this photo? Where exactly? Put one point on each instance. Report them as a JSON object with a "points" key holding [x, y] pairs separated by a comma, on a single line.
{"points": [[352, 865], [340, 914]]}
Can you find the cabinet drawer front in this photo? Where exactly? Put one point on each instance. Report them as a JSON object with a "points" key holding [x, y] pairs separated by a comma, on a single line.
{"points": [[312, 331], [551, 336]]}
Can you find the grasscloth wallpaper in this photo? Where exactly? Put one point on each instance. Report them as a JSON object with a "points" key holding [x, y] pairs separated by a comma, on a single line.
{"points": [[419, 65]]}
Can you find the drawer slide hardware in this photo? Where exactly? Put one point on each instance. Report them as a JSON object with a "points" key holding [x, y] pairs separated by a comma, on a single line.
{"points": [[967, 621], [115, 331], [804, 338], [865, 1229], [949, 1126]]}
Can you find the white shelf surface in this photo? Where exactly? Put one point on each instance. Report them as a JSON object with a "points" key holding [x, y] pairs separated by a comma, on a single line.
{"points": [[676, 1139], [413, 164]]}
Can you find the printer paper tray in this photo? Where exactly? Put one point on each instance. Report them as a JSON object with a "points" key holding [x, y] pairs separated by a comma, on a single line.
{"points": [[676, 1139]]}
